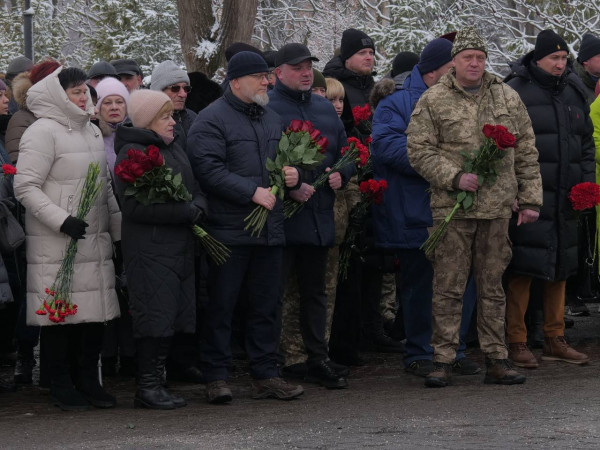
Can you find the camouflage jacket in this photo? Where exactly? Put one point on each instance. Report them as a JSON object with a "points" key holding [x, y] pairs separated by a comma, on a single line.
{"points": [[448, 120]]}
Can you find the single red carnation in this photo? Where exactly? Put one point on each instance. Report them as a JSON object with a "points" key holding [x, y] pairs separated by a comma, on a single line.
{"points": [[295, 126], [322, 143], [9, 169]]}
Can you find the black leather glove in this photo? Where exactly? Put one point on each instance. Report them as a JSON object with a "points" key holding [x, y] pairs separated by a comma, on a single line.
{"points": [[74, 227]]}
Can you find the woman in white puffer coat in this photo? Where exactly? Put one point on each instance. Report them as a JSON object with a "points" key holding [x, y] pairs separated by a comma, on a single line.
{"points": [[54, 155]]}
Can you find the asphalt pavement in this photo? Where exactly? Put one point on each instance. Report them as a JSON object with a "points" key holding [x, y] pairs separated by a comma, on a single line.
{"points": [[384, 408]]}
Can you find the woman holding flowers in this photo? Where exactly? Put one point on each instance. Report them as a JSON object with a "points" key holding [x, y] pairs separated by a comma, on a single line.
{"points": [[158, 242], [55, 153]]}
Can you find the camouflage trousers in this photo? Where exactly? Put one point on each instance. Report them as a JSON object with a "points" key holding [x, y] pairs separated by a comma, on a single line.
{"points": [[291, 344], [388, 297], [485, 245]]}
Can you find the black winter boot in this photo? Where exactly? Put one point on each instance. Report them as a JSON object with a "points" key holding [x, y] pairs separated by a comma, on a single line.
{"points": [[62, 392], [150, 392], [163, 354], [89, 383]]}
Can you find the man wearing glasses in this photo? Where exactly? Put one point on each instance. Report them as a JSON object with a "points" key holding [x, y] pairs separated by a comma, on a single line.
{"points": [[174, 81]]}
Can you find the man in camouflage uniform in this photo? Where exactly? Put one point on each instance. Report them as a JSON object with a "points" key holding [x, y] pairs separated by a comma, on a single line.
{"points": [[448, 119]]}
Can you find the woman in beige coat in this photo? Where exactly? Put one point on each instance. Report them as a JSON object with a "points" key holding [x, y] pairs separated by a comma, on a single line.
{"points": [[54, 155]]}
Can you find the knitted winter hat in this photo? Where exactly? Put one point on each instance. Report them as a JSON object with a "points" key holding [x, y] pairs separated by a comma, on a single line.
{"points": [[102, 68], [468, 39], [245, 63], [237, 47], [404, 62], [269, 56], [111, 86], [144, 105], [18, 65], [319, 79], [548, 42], [354, 41], [167, 73], [590, 47], [435, 55]]}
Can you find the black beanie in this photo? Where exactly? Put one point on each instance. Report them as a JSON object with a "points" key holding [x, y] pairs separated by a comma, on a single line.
{"points": [[246, 63], [435, 55], [404, 62], [548, 42], [237, 47], [590, 47], [354, 41]]}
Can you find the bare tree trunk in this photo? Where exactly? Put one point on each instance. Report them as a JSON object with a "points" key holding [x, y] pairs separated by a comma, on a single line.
{"points": [[204, 47]]}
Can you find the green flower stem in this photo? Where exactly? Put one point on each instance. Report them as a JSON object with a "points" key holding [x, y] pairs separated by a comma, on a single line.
{"points": [[218, 251]]}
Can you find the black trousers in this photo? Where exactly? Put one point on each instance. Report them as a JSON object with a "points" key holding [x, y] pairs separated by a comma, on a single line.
{"points": [[258, 268]]}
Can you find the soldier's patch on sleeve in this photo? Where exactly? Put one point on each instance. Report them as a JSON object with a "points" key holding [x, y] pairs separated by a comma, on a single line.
{"points": [[385, 116]]}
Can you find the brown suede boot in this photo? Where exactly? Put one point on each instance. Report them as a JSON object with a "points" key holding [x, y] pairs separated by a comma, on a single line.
{"points": [[521, 356], [500, 371], [557, 349], [439, 376]]}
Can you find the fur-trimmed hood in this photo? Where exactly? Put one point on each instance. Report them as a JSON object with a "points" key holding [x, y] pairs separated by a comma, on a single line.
{"points": [[381, 90], [20, 86]]}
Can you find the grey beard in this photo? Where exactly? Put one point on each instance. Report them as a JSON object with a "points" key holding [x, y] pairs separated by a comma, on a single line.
{"points": [[261, 99]]}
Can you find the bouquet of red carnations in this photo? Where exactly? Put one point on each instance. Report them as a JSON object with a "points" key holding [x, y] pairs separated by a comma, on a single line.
{"points": [[354, 153], [371, 193], [301, 145], [584, 196], [361, 115], [481, 163], [57, 303], [8, 170], [151, 181]]}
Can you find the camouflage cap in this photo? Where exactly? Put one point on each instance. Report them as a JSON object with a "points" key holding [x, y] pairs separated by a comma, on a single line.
{"points": [[468, 39]]}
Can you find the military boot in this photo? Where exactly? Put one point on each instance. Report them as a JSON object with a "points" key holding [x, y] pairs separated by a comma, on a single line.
{"points": [[440, 375], [500, 371]]}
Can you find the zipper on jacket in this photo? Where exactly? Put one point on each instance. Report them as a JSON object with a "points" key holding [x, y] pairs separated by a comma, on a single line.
{"points": [[70, 203]]}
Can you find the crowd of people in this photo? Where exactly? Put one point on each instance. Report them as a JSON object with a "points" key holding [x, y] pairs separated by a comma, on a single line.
{"points": [[151, 302]]}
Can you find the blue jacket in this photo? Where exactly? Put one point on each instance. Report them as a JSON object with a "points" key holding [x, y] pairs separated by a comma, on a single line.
{"points": [[228, 145], [313, 224], [402, 220]]}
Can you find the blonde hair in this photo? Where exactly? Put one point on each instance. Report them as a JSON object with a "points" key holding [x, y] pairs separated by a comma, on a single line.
{"points": [[167, 108], [334, 88]]}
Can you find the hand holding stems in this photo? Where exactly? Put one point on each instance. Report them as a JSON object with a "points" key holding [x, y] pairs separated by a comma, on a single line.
{"points": [[468, 182], [335, 179], [263, 197], [303, 193], [291, 176]]}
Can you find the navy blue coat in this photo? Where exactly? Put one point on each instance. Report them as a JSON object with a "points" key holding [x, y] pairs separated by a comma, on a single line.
{"points": [[402, 219], [228, 146], [313, 225], [548, 248]]}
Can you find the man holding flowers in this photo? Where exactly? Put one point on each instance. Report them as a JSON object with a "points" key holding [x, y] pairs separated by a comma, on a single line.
{"points": [[446, 127], [310, 232], [228, 146]]}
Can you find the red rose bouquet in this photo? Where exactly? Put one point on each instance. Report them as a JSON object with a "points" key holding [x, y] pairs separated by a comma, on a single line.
{"points": [[57, 302], [301, 145], [151, 181], [354, 153], [371, 193], [482, 163], [584, 196]]}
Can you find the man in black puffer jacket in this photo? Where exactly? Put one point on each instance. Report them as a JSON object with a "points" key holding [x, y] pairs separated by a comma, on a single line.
{"points": [[547, 249], [311, 231], [228, 145], [353, 67]]}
